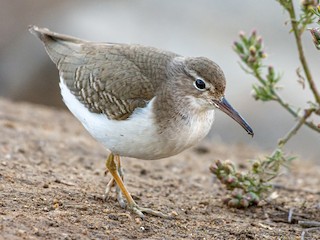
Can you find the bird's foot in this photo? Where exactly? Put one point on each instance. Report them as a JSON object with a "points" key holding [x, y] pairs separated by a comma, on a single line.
{"points": [[135, 208], [117, 174]]}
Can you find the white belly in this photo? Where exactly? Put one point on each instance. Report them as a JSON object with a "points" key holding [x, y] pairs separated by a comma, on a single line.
{"points": [[136, 136]]}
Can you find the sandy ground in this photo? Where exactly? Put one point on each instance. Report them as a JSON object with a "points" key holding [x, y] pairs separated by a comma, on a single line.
{"points": [[52, 181]]}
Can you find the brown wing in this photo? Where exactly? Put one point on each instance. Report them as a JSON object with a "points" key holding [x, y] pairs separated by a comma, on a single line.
{"points": [[106, 83], [101, 76]]}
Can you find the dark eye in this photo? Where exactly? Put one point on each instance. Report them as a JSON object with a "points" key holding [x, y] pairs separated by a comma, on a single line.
{"points": [[200, 84]]}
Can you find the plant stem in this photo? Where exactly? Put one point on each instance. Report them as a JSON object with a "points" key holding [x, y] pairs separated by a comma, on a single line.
{"points": [[297, 35], [257, 74], [284, 104], [294, 113], [295, 129]]}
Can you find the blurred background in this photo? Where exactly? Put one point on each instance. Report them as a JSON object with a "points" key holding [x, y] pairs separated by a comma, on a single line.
{"points": [[191, 28]]}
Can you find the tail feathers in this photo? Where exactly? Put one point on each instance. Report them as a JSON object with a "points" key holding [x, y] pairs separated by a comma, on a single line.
{"points": [[57, 45], [46, 35]]}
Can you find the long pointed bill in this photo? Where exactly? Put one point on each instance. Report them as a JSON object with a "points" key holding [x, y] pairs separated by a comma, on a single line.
{"points": [[225, 107]]}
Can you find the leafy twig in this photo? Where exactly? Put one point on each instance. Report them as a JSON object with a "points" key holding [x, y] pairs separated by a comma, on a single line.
{"points": [[252, 54], [297, 34], [249, 188]]}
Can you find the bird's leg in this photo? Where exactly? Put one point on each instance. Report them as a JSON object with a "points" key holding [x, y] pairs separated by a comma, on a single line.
{"points": [[131, 204], [108, 189], [111, 183], [120, 172]]}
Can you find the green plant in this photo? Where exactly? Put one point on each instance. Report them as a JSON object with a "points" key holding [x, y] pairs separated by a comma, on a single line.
{"points": [[248, 189], [315, 32]]}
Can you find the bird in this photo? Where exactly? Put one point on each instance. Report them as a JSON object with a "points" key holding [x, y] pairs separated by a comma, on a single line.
{"points": [[137, 101]]}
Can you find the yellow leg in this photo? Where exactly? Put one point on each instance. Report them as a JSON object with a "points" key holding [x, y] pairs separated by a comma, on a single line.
{"points": [[118, 190], [112, 167], [111, 183]]}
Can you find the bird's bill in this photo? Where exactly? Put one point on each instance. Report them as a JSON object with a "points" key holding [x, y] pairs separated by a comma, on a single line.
{"points": [[225, 107]]}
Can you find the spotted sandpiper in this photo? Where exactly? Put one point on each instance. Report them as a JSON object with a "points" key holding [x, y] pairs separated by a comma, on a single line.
{"points": [[138, 101]]}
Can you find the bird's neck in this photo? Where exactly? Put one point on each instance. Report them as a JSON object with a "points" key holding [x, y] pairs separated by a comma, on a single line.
{"points": [[172, 109]]}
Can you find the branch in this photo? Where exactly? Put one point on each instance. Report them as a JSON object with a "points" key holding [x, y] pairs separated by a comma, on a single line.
{"points": [[295, 129], [295, 114], [285, 105], [297, 35]]}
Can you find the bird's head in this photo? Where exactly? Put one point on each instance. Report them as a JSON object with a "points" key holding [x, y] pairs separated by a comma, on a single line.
{"points": [[203, 81]]}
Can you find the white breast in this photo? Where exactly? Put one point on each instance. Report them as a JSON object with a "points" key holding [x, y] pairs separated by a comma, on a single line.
{"points": [[136, 136]]}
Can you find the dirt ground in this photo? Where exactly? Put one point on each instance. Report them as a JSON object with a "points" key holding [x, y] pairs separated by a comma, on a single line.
{"points": [[52, 181]]}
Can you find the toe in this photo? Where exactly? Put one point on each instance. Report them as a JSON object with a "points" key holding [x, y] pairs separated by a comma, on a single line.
{"points": [[140, 210], [155, 213], [137, 211]]}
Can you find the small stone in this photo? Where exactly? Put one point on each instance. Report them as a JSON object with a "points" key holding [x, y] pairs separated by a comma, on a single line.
{"points": [[46, 209], [9, 125], [36, 231], [142, 228], [21, 150], [106, 210], [143, 172], [201, 150], [21, 232], [113, 217], [174, 213], [138, 221]]}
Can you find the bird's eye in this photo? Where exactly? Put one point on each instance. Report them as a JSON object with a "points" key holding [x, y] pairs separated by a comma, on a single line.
{"points": [[200, 84]]}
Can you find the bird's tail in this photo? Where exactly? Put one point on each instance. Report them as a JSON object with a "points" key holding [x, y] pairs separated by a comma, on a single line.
{"points": [[57, 45]]}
